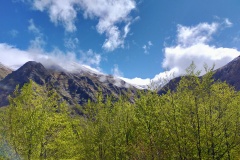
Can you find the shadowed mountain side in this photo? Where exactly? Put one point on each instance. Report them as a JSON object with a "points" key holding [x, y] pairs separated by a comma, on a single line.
{"points": [[171, 85], [75, 87], [230, 73]]}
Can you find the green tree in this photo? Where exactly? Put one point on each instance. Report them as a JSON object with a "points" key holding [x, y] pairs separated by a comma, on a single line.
{"points": [[202, 118], [108, 128], [37, 124], [151, 137]]}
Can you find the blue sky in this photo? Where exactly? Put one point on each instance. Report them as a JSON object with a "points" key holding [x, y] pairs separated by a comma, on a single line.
{"points": [[138, 40]]}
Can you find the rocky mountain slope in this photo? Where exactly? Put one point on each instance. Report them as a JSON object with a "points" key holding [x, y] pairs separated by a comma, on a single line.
{"points": [[229, 73], [4, 71], [74, 87]]}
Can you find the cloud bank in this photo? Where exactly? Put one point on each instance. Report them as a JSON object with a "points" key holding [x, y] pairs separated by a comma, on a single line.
{"points": [[111, 14], [14, 58], [192, 45]]}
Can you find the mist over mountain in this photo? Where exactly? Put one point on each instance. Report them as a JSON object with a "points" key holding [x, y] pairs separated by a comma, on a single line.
{"points": [[76, 87], [230, 73], [80, 84]]}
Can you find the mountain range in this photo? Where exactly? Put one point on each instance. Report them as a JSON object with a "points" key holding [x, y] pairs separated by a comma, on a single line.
{"points": [[75, 87], [83, 84]]}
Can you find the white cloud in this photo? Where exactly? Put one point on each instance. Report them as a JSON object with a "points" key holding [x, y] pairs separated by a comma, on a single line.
{"points": [[60, 11], [187, 36], [145, 49], [71, 43], [126, 30], [137, 81], [180, 57], [116, 72], [38, 42], [228, 22], [152, 83], [33, 28], [114, 40], [147, 46], [110, 13], [90, 58], [150, 43], [193, 45], [14, 58]]}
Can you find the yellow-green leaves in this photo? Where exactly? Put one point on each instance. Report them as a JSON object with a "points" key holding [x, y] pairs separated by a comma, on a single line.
{"points": [[38, 125]]}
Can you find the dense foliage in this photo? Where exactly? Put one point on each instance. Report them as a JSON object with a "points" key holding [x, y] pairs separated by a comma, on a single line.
{"points": [[199, 120]]}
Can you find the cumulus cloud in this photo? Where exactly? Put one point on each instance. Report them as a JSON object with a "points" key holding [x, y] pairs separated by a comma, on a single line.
{"points": [[188, 36], [193, 45], [110, 13], [60, 12], [200, 54]]}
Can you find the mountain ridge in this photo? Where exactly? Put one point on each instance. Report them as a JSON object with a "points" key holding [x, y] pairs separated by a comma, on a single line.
{"points": [[81, 85], [74, 87]]}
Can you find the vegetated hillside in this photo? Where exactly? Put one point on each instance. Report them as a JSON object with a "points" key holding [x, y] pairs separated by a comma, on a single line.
{"points": [[75, 87], [4, 71], [200, 120], [230, 73]]}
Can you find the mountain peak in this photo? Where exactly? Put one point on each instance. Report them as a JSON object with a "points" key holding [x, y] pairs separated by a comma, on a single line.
{"points": [[33, 65], [30, 70], [75, 87]]}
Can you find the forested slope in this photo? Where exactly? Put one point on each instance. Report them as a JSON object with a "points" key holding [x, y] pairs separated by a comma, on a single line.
{"points": [[199, 120]]}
